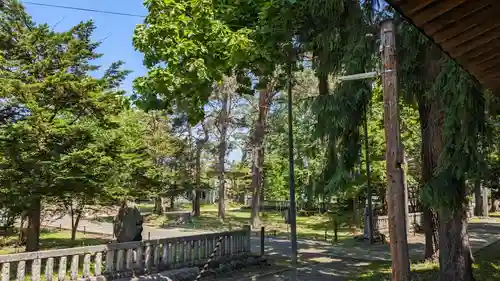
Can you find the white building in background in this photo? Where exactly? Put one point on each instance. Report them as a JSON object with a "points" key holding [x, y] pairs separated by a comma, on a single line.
{"points": [[211, 196]]}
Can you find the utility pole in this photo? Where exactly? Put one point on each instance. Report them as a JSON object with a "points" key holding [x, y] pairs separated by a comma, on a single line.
{"points": [[396, 183], [394, 156]]}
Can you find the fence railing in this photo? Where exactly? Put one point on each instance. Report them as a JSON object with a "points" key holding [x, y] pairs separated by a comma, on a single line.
{"points": [[382, 222], [121, 260]]}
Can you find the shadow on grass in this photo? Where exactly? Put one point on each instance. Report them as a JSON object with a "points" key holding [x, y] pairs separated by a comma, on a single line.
{"points": [[50, 243], [485, 268], [51, 239]]}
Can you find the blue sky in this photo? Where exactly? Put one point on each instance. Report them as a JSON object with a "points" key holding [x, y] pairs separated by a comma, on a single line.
{"points": [[114, 31]]}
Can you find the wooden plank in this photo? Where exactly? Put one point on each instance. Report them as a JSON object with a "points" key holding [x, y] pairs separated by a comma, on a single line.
{"points": [[479, 41], [485, 57], [414, 6], [489, 76], [486, 64], [470, 34], [492, 82], [435, 11], [491, 47], [455, 15], [477, 18], [485, 72]]}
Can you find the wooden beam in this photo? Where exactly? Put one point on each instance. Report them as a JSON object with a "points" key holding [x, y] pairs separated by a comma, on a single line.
{"points": [[455, 15], [486, 65], [493, 82], [471, 33], [435, 11], [488, 15], [490, 76], [491, 47], [479, 41], [415, 5], [485, 73], [485, 57]]}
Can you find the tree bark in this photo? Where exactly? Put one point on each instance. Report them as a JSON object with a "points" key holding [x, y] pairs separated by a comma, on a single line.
{"points": [[478, 196], [172, 203], [33, 231], [224, 124], [432, 144], [158, 208], [257, 141], [455, 253], [74, 224], [200, 143]]}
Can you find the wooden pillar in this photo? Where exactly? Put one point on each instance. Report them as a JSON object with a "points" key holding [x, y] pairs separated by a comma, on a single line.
{"points": [[396, 187]]}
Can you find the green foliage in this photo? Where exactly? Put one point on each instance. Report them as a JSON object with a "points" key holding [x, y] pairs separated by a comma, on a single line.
{"points": [[66, 135], [465, 131], [52, 108], [428, 78], [186, 50]]}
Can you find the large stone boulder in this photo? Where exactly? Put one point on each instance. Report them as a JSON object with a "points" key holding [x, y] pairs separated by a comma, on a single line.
{"points": [[127, 225]]}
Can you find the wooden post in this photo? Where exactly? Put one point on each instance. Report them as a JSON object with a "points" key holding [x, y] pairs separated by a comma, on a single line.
{"points": [[394, 157], [262, 237]]}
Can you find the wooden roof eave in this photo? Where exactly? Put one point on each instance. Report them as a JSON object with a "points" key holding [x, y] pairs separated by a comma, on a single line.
{"points": [[468, 31]]}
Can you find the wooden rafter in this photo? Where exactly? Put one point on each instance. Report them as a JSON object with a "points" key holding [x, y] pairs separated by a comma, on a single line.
{"points": [[467, 30]]}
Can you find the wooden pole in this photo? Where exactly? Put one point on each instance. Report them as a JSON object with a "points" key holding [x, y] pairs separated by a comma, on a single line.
{"points": [[394, 157]]}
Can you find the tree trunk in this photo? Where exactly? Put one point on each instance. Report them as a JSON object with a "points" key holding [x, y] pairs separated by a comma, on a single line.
{"points": [[172, 203], [74, 224], [430, 229], [455, 258], [432, 145], [33, 231], [355, 208], [158, 208], [223, 123], [197, 192], [23, 228], [257, 141], [478, 195]]}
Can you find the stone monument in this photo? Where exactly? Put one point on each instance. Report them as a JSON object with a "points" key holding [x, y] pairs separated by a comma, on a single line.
{"points": [[127, 225]]}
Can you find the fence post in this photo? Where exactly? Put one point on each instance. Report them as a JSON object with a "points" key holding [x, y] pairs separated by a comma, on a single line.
{"points": [[262, 237], [248, 231]]}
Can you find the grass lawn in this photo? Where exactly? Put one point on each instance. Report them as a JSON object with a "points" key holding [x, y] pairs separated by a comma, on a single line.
{"points": [[52, 239], [312, 227], [486, 268]]}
